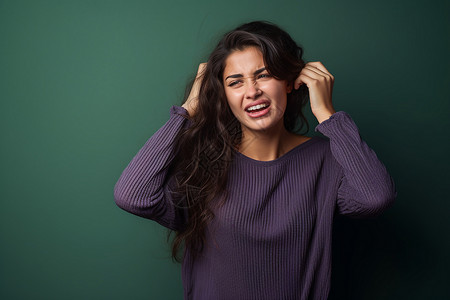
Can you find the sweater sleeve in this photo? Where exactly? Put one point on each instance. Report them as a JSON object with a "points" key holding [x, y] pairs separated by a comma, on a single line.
{"points": [[366, 188], [143, 187]]}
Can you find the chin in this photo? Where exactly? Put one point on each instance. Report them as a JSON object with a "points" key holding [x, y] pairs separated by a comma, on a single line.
{"points": [[262, 125]]}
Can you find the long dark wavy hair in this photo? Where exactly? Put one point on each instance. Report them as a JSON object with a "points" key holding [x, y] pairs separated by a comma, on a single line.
{"points": [[205, 147]]}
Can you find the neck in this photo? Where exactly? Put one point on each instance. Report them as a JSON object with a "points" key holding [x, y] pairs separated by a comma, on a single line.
{"points": [[265, 145]]}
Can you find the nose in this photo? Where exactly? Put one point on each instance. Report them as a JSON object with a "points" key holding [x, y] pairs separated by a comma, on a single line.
{"points": [[252, 90]]}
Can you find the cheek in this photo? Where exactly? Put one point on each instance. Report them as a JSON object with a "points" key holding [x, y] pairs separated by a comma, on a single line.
{"points": [[281, 94], [279, 97], [232, 98], [235, 104]]}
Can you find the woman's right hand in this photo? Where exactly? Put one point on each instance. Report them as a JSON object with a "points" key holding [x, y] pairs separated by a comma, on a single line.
{"points": [[191, 103]]}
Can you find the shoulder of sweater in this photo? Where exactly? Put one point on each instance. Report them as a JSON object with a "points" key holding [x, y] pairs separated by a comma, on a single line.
{"points": [[316, 144], [319, 145], [322, 141]]}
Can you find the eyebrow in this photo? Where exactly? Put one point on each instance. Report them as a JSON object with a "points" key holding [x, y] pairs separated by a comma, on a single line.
{"points": [[240, 75]]}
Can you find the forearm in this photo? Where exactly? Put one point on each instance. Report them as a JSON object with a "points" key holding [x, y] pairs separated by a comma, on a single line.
{"points": [[366, 187], [139, 189]]}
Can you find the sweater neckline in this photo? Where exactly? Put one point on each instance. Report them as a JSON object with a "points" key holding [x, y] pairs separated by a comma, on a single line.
{"points": [[278, 160]]}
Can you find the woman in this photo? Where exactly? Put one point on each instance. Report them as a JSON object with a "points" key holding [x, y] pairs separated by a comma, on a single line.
{"points": [[251, 200]]}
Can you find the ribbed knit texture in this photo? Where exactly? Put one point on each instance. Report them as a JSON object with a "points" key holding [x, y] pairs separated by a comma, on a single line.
{"points": [[272, 238]]}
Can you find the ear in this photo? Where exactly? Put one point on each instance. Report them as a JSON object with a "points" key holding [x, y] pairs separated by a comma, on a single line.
{"points": [[289, 86]]}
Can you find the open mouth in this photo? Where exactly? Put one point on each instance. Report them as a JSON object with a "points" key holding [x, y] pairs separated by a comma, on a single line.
{"points": [[257, 108]]}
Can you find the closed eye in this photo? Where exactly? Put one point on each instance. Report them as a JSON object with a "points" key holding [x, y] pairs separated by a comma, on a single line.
{"points": [[239, 82], [263, 76], [234, 83]]}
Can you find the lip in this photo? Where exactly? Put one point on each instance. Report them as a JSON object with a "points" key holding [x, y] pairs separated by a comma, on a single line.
{"points": [[261, 113], [262, 101]]}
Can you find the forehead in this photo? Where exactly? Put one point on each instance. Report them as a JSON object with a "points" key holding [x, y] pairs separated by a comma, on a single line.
{"points": [[243, 61]]}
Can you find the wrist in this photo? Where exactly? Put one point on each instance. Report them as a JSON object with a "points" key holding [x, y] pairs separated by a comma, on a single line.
{"points": [[324, 115], [188, 108]]}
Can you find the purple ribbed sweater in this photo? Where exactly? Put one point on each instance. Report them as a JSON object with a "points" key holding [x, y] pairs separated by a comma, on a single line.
{"points": [[272, 238]]}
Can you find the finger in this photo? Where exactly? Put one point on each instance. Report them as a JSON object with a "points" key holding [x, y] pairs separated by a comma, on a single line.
{"points": [[316, 71], [317, 75], [303, 79], [202, 66], [201, 69], [320, 66]]}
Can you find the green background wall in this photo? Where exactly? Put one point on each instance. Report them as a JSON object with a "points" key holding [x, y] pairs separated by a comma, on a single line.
{"points": [[83, 85]]}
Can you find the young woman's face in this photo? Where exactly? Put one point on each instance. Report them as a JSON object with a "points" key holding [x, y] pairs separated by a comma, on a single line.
{"points": [[256, 99]]}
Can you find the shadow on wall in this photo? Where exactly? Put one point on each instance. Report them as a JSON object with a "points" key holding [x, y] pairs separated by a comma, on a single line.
{"points": [[372, 257]]}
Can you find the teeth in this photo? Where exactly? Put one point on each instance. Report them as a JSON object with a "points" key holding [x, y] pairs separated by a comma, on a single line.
{"points": [[259, 106]]}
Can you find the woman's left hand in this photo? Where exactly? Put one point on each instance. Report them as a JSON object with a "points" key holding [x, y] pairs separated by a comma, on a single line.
{"points": [[320, 85]]}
